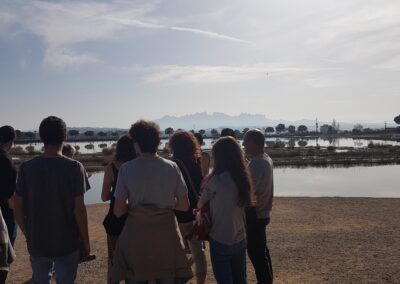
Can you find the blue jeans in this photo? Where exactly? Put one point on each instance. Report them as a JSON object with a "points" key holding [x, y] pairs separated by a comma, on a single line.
{"points": [[229, 262], [65, 268]]}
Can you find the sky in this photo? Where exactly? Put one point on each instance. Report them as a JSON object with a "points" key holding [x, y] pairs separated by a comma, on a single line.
{"points": [[108, 63]]}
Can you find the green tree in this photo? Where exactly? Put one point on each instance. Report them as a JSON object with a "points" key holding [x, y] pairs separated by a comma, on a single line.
{"points": [[397, 119], [29, 134], [292, 129], [18, 133], [269, 129], [169, 131], [357, 128], [89, 133], [214, 132], [238, 133], [280, 127], [302, 129], [102, 134], [202, 132], [73, 133]]}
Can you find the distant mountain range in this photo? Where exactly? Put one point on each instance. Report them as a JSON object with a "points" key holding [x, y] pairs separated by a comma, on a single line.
{"points": [[218, 120]]}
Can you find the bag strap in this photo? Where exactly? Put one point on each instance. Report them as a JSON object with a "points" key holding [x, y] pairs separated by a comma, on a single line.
{"points": [[188, 177]]}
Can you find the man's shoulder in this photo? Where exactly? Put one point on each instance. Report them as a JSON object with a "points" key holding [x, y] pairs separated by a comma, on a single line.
{"points": [[261, 160], [159, 162], [39, 161]]}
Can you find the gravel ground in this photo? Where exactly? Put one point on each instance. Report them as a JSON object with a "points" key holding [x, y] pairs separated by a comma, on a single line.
{"points": [[312, 240]]}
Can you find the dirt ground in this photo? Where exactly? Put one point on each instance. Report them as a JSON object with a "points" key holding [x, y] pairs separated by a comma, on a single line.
{"points": [[311, 240]]}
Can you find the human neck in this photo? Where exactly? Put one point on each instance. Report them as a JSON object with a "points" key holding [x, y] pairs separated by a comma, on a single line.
{"points": [[257, 153], [52, 151], [149, 154]]}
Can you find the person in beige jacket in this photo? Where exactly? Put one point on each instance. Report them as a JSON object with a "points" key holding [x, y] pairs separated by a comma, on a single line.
{"points": [[149, 188]]}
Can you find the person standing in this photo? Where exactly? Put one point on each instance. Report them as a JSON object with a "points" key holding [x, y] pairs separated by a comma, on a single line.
{"points": [[228, 194], [258, 214], [124, 152], [8, 180], [50, 209], [149, 188], [186, 154]]}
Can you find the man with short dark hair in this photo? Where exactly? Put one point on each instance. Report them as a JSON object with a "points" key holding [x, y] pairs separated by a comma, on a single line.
{"points": [[258, 214], [50, 209], [150, 187], [228, 132]]}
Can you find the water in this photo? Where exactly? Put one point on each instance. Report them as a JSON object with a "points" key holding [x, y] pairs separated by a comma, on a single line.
{"points": [[377, 181], [96, 147]]}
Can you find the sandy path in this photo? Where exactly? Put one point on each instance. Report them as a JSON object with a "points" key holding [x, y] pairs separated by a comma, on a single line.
{"points": [[312, 240]]}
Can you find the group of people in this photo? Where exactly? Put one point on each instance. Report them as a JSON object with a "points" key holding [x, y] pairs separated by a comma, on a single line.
{"points": [[152, 207]]}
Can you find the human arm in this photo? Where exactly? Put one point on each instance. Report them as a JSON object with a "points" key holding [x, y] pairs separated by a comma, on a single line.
{"points": [[120, 208], [80, 215], [8, 178], [19, 200], [207, 194], [107, 184], [121, 195], [19, 212]]}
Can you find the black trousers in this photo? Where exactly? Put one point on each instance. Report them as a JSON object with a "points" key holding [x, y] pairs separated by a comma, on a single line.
{"points": [[257, 246]]}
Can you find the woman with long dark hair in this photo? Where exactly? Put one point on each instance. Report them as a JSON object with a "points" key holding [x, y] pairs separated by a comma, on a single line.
{"points": [[124, 152], [187, 154], [228, 193]]}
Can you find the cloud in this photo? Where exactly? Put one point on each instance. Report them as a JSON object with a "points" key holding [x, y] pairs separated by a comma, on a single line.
{"points": [[63, 58], [65, 24], [358, 31], [209, 34], [6, 17], [199, 74], [392, 65], [319, 82]]}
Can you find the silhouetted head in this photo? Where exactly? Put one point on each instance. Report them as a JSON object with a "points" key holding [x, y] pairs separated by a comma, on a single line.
{"points": [[69, 151], [228, 156], [7, 137], [146, 134], [184, 146], [253, 142], [125, 150], [228, 132], [53, 131]]}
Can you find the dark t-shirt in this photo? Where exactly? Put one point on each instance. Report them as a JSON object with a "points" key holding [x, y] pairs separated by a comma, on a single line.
{"points": [[49, 187], [8, 179]]}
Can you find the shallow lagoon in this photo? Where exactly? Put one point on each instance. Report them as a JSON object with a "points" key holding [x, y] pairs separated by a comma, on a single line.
{"points": [[377, 181]]}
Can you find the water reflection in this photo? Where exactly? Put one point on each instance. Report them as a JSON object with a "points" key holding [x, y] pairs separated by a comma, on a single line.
{"points": [[97, 147], [375, 181]]}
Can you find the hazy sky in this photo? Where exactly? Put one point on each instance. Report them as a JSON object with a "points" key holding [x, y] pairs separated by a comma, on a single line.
{"points": [[107, 63]]}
